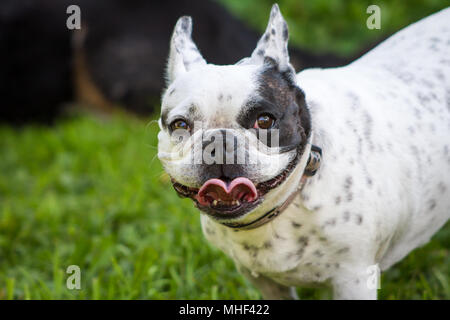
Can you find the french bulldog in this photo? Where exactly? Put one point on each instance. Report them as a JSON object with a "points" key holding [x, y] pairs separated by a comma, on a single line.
{"points": [[357, 170]]}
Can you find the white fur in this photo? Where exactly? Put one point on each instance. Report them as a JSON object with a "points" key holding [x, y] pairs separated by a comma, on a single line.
{"points": [[383, 188]]}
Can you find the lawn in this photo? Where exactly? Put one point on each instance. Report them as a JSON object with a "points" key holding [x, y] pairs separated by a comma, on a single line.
{"points": [[90, 192]]}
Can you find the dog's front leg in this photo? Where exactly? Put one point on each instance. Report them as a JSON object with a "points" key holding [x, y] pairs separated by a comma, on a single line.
{"points": [[269, 289], [358, 284]]}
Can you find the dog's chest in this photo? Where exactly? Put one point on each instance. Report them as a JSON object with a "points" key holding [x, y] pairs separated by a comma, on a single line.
{"points": [[290, 250]]}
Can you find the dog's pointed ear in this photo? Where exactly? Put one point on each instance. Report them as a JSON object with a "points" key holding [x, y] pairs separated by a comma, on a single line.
{"points": [[273, 43], [184, 54]]}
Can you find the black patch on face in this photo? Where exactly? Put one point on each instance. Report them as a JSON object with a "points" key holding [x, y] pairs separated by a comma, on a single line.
{"points": [[280, 97], [164, 115]]}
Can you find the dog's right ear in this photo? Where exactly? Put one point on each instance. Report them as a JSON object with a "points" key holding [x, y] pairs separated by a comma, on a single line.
{"points": [[184, 54], [272, 47]]}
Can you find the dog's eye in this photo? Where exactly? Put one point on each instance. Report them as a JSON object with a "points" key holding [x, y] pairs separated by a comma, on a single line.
{"points": [[179, 124], [264, 121]]}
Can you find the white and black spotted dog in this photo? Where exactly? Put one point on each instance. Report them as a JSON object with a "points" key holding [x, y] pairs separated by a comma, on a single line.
{"points": [[379, 128]]}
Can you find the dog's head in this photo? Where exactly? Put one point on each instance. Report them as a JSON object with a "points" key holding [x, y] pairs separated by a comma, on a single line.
{"points": [[234, 138]]}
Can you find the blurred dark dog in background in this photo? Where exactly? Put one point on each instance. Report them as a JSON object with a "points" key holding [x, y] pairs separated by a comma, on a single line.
{"points": [[118, 57]]}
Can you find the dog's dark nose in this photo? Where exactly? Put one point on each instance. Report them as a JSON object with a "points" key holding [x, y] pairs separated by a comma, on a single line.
{"points": [[220, 148], [224, 172]]}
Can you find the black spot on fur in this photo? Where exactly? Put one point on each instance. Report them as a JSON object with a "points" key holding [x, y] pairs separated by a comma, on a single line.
{"points": [[296, 225], [337, 200], [277, 236], [318, 253], [303, 241], [192, 109], [185, 24], [330, 222], [285, 32], [346, 216], [442, 187], [431, 204], [348, 183], [267, 245], [359, 219], [343, 250], [349, 197]]}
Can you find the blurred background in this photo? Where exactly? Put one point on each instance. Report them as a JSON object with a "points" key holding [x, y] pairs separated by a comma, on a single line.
{"points": [[80, 183]]}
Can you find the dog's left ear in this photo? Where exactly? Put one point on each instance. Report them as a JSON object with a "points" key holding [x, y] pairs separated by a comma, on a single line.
{"points": [[184, 54], [273, 43]]}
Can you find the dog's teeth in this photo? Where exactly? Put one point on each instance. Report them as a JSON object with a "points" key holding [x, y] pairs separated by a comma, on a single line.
{"points": [[215, 203]]}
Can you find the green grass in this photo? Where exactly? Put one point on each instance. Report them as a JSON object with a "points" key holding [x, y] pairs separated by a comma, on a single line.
{"points": [[90, 192], [332, 25]]}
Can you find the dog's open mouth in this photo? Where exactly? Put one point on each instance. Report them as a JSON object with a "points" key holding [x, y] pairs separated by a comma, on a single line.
{"points": [[229, 200], [223, 199]]}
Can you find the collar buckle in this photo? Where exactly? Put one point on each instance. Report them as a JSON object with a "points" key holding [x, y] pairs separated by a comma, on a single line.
{"points": [[313, 164]]}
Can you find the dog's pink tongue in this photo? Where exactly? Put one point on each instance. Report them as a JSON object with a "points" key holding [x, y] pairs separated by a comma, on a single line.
{"points": [[241, 189]]}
